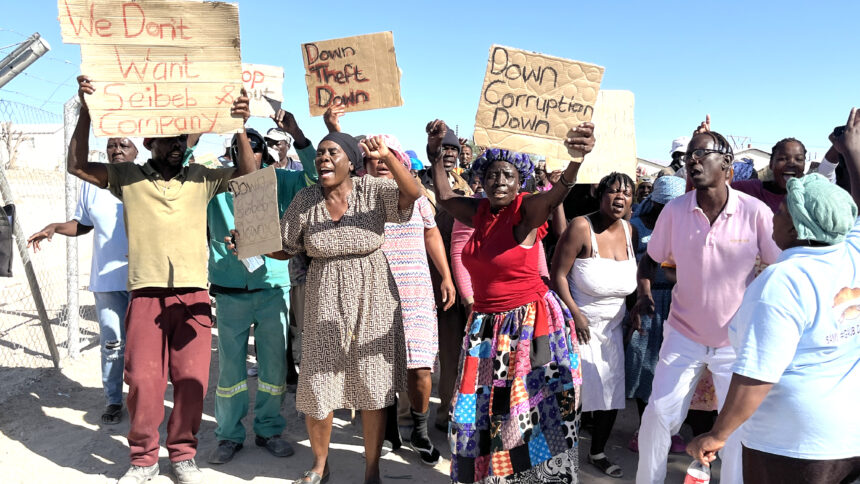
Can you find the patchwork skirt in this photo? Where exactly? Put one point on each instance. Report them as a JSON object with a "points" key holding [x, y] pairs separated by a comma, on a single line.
{"points": [[515, 414]]}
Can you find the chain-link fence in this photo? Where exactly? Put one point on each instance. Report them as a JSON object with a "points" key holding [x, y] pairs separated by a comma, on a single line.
{"points": [[32, 162]]}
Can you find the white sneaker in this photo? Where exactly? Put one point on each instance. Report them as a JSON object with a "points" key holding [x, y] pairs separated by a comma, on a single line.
{"points": [[186, 472], [138, 474]]}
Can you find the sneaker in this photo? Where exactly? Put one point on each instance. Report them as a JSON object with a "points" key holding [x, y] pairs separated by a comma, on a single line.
{"points": [[633, 445], [138, 474], [426, 451], [224, 452], [253, 370], [186, 472], [678, 445], [276, 446]]}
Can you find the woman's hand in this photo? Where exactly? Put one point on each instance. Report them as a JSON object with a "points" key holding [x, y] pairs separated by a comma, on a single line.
{"points": [[849, 142], [332, 115], [436, 131], [230, 240], [583, 334], [85, 86], [449, 294], [376, 149], [241, 106], [580, 140]]}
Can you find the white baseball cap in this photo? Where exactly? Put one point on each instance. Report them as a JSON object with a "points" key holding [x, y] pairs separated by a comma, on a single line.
{"points": [[680, 144]]}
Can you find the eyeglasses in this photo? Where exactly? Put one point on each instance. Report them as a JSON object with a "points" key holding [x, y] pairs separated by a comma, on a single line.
{"points": [[698, 154]]}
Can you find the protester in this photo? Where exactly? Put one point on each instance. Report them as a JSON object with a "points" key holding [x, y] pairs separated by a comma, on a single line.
{"points": [[679, 148], [642, 351], [465, 154], [795, 339], [713, 234], [452, 322], [542, 183], [518, 343], [353, 350], [787, 161], [406, 247], [258, 298], [281, 140], [168, 323], [108, 271], [594, 284]]}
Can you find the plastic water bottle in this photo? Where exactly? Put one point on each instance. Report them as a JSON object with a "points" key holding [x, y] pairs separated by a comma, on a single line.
{"points": [[698, 473]]}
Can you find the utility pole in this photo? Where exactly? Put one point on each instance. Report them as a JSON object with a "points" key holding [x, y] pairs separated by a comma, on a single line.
{"points": [[21, 58]]}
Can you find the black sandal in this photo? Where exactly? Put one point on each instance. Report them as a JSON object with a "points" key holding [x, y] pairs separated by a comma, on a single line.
{"points": [[601, 462], [112, 414]]}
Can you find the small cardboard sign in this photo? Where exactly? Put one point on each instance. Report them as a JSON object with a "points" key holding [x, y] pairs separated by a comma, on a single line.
{"points": [[255, 212], [159, 67], [359, 72], [265, 87], [615, 138], [529, 101]]}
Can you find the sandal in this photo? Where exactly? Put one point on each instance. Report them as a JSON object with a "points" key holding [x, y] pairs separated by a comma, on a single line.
{"points": [[312, 478], [112, 414], [601, 462]]}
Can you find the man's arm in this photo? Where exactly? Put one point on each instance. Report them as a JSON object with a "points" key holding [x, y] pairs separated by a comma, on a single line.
{"points": [[462, 208], [848, 145], [72, 228], [247, 161], [78, 163]]}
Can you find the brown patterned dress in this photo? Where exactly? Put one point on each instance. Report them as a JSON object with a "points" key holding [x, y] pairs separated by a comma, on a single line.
{"points": [[353, 348]]}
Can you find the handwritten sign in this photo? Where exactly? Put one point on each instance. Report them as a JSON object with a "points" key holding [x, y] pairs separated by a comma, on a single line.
{"points": [[358, 72], [159, 67], [265, 86], [615, 135], [529, 101], [255, 210]]}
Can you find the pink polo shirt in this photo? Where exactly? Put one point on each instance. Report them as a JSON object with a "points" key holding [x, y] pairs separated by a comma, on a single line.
{"points": [[715, 263]]}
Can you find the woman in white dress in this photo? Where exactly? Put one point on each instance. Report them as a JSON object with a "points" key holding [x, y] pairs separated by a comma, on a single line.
{"points": [[593, 270]]}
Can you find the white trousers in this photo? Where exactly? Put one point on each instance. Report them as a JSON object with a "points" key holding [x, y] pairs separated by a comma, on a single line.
{"points": [[678, 370]]}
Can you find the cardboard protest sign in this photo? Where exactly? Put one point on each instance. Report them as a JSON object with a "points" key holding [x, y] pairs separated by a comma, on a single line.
{"points": [[255, 210], [265, 86], [529, 101], [159, 67], [358, 72], [615, 138]]}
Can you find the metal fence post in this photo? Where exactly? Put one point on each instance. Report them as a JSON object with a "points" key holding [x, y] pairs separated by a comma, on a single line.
{"points": [[71, 111]]}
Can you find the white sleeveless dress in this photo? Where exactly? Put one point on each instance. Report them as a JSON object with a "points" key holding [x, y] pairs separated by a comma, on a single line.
{"points": [[598, 287]]}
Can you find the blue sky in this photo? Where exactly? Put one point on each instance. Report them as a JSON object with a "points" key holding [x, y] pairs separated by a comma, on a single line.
{"points": [[762, 70]]}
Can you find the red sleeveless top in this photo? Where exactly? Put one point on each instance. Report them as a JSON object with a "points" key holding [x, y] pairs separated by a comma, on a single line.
{"points": [[504, 274]]}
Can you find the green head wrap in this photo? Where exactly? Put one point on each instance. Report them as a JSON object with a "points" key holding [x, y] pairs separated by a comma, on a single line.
{"points": [[820, 210]]}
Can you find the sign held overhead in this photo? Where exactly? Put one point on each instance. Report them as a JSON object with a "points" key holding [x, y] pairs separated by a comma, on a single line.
{"points": [[529, 101], [159, 67], [359, 72]]}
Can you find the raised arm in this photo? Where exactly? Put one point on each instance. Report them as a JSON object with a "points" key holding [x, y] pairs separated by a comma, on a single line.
{"points": [[536, 208], [568, 247], [247, 161], [331, 118], [78, 163], [848, 145], [462, 208], [409, 191]]}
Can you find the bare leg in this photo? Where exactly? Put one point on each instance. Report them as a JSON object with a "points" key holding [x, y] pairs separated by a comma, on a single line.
{"points": [[373, 427], [420, 385], [319, 432]]}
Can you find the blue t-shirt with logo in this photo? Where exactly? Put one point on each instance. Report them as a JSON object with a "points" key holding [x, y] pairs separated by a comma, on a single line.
{"points": [[799, 328]]}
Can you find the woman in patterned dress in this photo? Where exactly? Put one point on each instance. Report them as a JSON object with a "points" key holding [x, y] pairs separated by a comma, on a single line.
{"points": [[514, 417], [407, 246], [353, 353]]}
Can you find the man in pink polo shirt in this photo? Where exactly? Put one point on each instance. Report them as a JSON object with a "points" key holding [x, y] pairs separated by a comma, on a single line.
{"points": [[712, 235]]}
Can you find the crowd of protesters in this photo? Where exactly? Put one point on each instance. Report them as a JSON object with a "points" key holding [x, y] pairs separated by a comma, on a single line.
{"points": [[544, 307]]}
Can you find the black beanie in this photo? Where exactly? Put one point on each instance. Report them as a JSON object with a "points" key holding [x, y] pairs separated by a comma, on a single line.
{"points": [[348, 144]]}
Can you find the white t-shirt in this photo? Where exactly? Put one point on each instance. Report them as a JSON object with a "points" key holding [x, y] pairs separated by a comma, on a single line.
{"points": [[799, 328], [100, 209]]}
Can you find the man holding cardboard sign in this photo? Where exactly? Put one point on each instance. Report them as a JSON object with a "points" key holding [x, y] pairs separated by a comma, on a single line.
{"points": [[168, 323]]}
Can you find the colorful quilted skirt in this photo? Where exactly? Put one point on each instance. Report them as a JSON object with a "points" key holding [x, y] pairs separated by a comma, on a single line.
{"points": [[515, 415]]}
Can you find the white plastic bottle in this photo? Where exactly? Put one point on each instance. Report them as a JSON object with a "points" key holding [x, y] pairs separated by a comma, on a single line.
{"points": [[698, 473]]}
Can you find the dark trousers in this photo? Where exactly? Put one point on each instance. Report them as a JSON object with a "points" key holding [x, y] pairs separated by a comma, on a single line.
{"points": [[168, 334], [765, 468]]}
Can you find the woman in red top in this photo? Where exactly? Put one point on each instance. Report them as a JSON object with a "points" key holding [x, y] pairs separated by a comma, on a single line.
{"points": [[515, 413]]}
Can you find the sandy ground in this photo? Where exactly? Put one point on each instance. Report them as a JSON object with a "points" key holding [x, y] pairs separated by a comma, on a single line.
{"points": [[50, 432]]}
